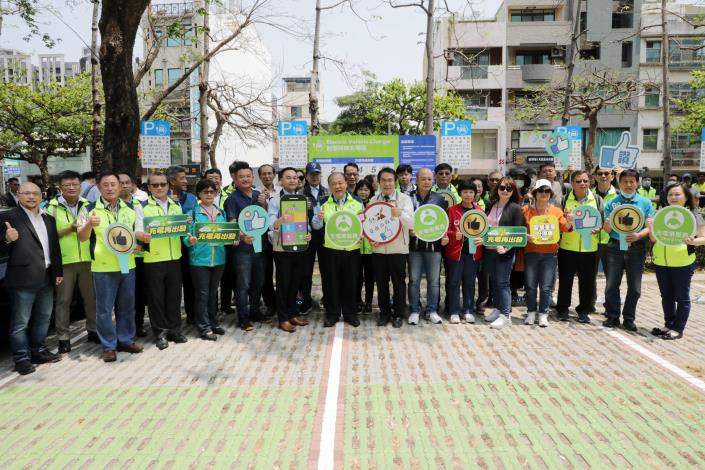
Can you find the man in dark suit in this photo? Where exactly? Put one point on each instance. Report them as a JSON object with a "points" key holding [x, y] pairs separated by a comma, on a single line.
{"points": [[10, 197], [315, 192], [29, 238]]}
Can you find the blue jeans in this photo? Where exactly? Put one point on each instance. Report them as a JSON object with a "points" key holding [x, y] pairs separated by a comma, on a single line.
{"points": [[631, 261], [539, 272], [249, 276], [499, 268], [465, 270], [430, 263], [35, 304], [117, 290], [205, 284], [674, 284]]}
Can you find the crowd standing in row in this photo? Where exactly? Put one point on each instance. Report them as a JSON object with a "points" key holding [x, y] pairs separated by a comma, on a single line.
{"points": [[56, 245]]}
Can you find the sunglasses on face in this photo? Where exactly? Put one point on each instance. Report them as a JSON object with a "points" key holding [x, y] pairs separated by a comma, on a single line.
{"points": [[582, 181], [301, 178], [159, 185], [207, 191], [508, 189], [543, 190]]}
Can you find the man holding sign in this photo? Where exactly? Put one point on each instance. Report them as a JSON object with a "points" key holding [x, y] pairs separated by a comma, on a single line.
{"points": [[630, 260], [425, 248], [114, 288], [162, 265]]}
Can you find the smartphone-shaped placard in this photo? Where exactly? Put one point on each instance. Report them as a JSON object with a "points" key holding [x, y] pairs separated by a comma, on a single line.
{"points": [[293, 232]]}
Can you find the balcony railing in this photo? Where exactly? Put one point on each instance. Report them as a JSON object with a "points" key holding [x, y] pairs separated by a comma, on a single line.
{"points": [[173, 9], [653, 56], [537, 72], [473, 72], [479, 113], [685, 157]]}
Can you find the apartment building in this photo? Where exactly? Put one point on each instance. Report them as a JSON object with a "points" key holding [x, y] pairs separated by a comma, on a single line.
{"points": [[686, 53], [246, 66], [17, 66], [295, 98], [492, 61]]}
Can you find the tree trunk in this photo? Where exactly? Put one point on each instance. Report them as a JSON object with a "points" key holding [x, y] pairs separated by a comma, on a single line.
{"points": [[118, 24], [313, 87], [665, 57], [565, 118], [97, 142], [592, 135], [41, 162], [203, 91], [430, 69]]}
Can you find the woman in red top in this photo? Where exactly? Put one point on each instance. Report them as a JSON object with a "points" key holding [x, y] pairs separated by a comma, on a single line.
{"points": [[462, 265], [540, 257]]}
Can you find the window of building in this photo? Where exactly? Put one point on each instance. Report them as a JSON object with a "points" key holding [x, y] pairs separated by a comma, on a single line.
{"points": [[650, 141], [297, 111], [516, 135], [627, 54], [622, 14], [533, 57], [188, 35], [523, 16], [653, 52], [173, 41], [158, 78], [298, 85], [652, 96], [173, 75], [687, 53]]}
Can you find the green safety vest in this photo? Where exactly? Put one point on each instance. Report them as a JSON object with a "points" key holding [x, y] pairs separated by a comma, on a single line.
{"points": [[228, 189], [330, 207], [72, 249], [673, 256], [104, 261], [223, 197], [612, 193], [571, 241], [648, 194], [451, 188], [167, 248]]}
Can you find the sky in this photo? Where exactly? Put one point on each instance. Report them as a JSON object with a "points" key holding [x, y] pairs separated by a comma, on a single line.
{"points": [[389, 43]]}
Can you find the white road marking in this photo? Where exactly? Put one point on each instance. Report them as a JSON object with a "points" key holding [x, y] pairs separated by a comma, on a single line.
{"points": [[330, 410]]}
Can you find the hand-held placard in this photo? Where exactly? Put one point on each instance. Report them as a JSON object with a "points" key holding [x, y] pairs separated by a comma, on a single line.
{"points": [[621, 155]]}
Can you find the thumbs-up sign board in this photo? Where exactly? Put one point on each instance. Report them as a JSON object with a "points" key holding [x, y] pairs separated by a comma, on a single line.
{"points": [[621, 155]]}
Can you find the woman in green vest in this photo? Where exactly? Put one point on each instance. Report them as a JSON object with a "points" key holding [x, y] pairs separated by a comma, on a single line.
{"points": [[675, 266]]}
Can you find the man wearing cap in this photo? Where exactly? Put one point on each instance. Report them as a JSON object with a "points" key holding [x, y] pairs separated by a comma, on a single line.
{"points": [[700, 186], [315, 192], [687, 178]]}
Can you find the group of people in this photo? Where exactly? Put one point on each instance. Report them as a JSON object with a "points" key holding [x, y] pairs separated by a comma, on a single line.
{"points": [[57, 251]]}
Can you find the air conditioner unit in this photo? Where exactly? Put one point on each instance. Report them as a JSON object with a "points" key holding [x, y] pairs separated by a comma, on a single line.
{"points": [[558, 52]]}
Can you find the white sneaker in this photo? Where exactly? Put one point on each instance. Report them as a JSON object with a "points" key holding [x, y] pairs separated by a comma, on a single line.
{"points": [[502, 322], [530, 318], [414, 319], [434, 318], [492, 316], [469, 318], [543, 320], [455, 319]]}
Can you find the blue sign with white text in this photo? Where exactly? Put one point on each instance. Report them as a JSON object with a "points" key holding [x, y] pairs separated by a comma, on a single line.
{"points": [[456, 128], [155, 128], [293, 128], [419, 151]]}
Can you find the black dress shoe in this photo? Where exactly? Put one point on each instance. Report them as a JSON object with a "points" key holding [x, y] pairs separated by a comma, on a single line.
{"points": [[583, 318], [141, 332], [563, 316], [329, 323], [397, 322], [176, 338], [611, 322], [354, 322], [218, 330], [64, 346], [44, 357], [92, 337], [161, 342], [629, 325], [24, 367], [209, 336], [383, 320], [246, 326]]}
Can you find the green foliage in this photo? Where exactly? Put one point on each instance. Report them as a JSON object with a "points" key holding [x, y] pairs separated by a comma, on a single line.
{"points": [[693, 119], [27, 10], [394, 107], [48, 120]]}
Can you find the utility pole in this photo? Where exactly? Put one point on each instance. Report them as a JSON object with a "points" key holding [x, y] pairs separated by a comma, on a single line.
{"points": [[97, 163], [430, 67], [203, 89], [666, 100]]}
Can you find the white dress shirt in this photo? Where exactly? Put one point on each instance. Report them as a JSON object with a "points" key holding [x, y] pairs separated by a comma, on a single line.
{"points": [[41, 229]]}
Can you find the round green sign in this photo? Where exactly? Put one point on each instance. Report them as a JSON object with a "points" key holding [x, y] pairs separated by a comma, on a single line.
{"points": [[673, 224], [430, 223], [343, 230]]}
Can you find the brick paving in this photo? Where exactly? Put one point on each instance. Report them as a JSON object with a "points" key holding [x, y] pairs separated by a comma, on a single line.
{"points": [[430, 396]]}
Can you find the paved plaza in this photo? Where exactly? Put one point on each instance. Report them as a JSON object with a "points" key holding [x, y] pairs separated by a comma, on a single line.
{"points": [[428, 396]]}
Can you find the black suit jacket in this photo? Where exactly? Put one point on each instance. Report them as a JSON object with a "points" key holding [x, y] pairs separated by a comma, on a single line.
{"points": [[26, 267], [9, 200], [322, 195]]}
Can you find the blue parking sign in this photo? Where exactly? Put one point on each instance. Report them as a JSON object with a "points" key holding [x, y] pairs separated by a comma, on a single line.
{"points": [[155, 128]]}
